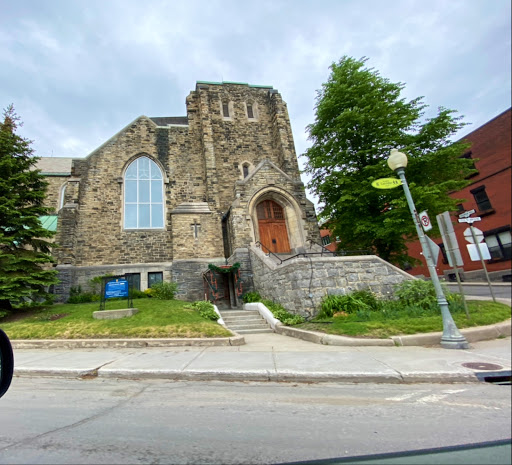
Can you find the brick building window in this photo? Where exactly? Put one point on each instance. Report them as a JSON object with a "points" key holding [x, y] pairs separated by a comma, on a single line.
{"points": [[326, 240], [143, 195], [482, 201], [499, 243], [469, 156]]}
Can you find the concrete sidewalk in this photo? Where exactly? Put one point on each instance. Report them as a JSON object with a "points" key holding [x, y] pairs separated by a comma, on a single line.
{"points": [[305, 357], [274, 357]]}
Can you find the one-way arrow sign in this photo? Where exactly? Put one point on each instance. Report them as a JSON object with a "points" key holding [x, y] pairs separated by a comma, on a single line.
{"points": [[466, 214]]}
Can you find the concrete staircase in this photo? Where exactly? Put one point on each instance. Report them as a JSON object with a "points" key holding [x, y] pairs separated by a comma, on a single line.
{"points": [[245, 321]]}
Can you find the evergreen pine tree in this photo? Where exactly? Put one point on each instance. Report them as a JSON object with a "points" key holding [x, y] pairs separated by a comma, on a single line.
{"points": [[25, 260]]}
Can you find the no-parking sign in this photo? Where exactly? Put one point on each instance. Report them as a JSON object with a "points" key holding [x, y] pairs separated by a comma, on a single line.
{"points": [[425, 221]]}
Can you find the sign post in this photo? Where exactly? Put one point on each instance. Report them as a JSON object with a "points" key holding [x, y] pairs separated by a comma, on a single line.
{"points": [[476, 239], [452, 250]]}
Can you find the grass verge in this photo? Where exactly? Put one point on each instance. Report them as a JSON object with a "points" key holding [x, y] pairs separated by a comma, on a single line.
{"points": [[481, 313], [155, 319]]}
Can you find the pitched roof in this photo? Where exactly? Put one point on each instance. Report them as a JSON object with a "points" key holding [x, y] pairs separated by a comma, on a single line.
{"points": [[49, 222], [54, 165]]}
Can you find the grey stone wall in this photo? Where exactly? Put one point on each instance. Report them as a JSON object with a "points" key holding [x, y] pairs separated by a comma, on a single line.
{"points": [[300, 284], [243, 257], [189, 276]]}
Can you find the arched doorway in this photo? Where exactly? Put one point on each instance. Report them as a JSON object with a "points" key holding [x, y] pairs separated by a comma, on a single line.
{"points": [[272, 227]]}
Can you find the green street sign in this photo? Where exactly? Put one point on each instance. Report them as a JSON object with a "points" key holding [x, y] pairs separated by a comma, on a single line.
{"points": [[386, 183]]}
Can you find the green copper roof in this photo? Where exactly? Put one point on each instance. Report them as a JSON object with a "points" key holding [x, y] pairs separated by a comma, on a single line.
{"points": [[49, 222]]}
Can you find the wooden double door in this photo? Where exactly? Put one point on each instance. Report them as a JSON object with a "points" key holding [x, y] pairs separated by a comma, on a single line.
{"points": [[272, 227]]}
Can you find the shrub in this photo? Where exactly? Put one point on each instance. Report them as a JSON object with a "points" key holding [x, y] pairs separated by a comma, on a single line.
{"points": [[282, 314], [249, 297], [83, 298], [4, 313], [423, 294], [360, 302], [95, 283], [164, 290], [205, 309], [136, 294]]}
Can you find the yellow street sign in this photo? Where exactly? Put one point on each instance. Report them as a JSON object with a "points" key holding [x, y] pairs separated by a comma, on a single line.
{"points": [[386, 183]]}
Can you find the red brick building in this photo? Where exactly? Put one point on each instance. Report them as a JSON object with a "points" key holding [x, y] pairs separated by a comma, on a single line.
{"points": [[489, 194]]}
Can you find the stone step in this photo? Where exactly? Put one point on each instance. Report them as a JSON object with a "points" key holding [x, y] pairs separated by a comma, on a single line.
{"points": [[243, 317], [229, 313], [245, 323], [261, 325], [254, 331]]}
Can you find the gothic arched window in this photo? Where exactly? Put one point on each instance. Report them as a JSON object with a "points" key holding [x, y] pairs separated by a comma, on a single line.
{"points": [[143, 195]]}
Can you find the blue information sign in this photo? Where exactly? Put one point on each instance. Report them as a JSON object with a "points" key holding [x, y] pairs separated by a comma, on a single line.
{"points": [[117, 288]]}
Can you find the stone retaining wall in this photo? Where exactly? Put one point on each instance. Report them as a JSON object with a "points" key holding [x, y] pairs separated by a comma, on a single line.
{"points": [[300, 284]]}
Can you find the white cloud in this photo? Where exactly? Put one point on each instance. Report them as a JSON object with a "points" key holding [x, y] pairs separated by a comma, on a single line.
{"points": [[79, 71]]}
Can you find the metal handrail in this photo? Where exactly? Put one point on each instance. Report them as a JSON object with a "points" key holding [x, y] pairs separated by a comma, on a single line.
{"points": [[311, 241], [339, 253], [258, 243]]}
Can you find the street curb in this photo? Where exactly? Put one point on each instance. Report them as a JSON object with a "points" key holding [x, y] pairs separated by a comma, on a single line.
{"points": [[478, 333], [330, 339], [236, 340], [256, 376]]}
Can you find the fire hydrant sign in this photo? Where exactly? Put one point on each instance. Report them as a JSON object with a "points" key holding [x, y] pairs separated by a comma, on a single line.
{"points": [[425, 221], [117, 288]]}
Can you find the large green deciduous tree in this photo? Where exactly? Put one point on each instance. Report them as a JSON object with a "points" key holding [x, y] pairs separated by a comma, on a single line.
{"points": [[25, 260], [360, 117]]}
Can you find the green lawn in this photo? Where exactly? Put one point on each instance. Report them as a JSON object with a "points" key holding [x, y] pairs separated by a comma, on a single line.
{"points": [[156, 319], [481, 313]]}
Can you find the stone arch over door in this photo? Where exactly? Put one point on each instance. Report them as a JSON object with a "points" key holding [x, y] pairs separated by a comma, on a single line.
{"points": [[276, 215]]}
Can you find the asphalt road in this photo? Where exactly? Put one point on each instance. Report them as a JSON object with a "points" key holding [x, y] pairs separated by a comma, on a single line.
{"points": [[45, 420], [501, 291]]}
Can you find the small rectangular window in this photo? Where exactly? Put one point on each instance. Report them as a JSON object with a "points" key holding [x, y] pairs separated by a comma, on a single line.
{"points": [[225, 110], [155, 277], [326, 240], [250, 113], [482, 201], [500, 245], [134, 279]]}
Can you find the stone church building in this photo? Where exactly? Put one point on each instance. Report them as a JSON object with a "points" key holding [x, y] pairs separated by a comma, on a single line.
{"points": [[166, 197]]}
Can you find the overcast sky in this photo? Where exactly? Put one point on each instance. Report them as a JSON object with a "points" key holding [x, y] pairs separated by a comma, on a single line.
{"points": [[78, 71]]}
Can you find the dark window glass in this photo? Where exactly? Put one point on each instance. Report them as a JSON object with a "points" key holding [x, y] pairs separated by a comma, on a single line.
{"points": [[482, 201], [500, 245], [443, 252], [155, 277], [246, 170], [250, 113], [460, 207], [134, 279], [326, 240], [225, 110]]}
